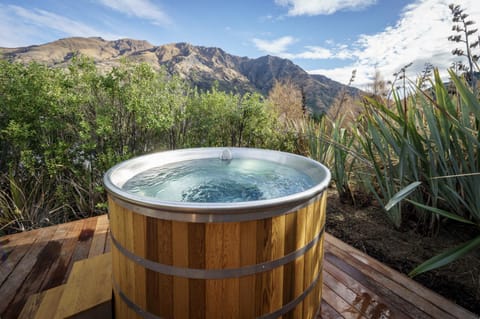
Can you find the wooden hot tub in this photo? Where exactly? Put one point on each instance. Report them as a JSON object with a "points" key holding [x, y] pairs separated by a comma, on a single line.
{"points": [[217, 260]]}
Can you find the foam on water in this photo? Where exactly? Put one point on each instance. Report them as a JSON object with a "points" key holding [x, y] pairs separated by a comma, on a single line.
{"points": [[217, 181]]}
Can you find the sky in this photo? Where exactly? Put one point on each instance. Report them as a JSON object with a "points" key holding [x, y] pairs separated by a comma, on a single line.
{"points": [[328, 37]]}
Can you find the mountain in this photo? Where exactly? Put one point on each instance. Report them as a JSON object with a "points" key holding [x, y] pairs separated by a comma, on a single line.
{"points": [[202, 66]]}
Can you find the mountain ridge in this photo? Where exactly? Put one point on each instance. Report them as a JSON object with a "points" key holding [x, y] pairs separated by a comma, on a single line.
{"points": [[202, 66]]}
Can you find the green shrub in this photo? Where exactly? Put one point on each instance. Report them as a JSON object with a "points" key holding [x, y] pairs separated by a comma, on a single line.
{"points": [[61, 129]]}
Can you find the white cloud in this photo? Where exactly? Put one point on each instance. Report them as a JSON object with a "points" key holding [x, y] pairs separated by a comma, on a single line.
{"points": [[343, 74], [314, 52], [418, 37], [20, 26], [316, 7], [54, 21], [276, 47], [139, 8], [14, 34], [279, 47]]}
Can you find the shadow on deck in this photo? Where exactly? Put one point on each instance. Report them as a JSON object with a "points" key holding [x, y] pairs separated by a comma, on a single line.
{"points": [[354, 284]]}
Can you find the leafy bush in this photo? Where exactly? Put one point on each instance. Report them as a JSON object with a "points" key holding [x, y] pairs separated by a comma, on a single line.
{"points": [[61, 129]]}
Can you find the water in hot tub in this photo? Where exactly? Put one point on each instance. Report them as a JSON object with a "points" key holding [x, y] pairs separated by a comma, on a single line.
{"points": [[219, 181]]}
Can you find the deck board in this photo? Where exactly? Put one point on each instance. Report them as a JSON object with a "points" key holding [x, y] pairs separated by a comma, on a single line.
{"points": [[363, 295], [20, 279], [354, 284]]}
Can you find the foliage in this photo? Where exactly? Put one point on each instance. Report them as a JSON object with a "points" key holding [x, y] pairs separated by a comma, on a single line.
{"points": [[451, 254], [330, 140], [287, 100], [61, 129], [218, 118], [332, 144], [424, 143], [430, 153], [430, 138]]}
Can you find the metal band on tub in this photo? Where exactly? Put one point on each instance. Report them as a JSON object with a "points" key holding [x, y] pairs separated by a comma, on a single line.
{"points": [[277, 313], [195, 273]]}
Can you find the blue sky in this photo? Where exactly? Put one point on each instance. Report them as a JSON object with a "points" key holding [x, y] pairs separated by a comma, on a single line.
{"points": [[329, 37]]}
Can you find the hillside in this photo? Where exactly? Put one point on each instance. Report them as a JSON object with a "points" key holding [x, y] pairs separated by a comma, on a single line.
{"points": [[202, 66]]}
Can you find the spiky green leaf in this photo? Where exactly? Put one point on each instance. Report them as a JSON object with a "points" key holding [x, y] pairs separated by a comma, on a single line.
{"points": [[399, 196], [446, 257]]}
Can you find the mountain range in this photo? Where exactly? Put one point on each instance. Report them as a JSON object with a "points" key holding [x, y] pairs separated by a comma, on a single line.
{"points": [[202, 66]]}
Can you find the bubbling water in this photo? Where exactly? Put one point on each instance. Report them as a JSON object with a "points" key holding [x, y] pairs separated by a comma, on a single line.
{"points": [[217, 181]]}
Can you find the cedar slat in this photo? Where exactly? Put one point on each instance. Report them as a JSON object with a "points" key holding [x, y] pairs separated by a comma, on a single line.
{"points": [[196, 249], [140, 245], [165, 257], [289, 270], [231, 259], [248, 253], [299, 263], [278, 251], [213, 260], [152, 233], [127, 267], [308, 275], [415, 288], [180, 258], [108, 243]]}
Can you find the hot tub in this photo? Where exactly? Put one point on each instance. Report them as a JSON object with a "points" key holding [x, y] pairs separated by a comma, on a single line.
{"points": [[178, 258]]}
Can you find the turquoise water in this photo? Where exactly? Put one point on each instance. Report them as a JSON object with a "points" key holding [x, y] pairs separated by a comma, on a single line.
{"points": [[219, 181]]}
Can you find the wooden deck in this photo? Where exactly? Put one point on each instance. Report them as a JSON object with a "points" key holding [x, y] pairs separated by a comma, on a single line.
{"points": [[354, 284]]}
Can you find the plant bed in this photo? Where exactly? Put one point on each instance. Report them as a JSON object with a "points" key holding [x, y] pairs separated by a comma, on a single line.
{"points": [[367, 229]]}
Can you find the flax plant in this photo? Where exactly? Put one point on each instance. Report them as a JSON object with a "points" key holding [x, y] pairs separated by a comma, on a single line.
{"points": [[435, 136], [25, 205], [318, 139], [431, 154], [343, 161], [383, 136], [331, 141], [332, 144]]}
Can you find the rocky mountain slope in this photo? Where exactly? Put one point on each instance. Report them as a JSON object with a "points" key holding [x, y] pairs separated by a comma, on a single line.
{"points": [[203, 66]]}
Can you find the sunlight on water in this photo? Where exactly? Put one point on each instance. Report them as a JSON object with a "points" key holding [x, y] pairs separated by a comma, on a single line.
{"points": [[217, 181]]}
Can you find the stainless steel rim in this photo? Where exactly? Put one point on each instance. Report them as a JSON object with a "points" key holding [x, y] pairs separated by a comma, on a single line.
{"points": [[215, 217], [119, 174]]}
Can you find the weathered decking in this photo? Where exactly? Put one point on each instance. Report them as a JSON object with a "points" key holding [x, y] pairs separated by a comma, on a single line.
{"points": [[354, 285]]}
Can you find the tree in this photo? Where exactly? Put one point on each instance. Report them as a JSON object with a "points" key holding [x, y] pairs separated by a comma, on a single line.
{"points": [[286, 99], [378, 87]]}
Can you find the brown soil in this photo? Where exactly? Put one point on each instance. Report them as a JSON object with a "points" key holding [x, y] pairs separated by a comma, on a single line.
{"points": [[367, 229]]}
